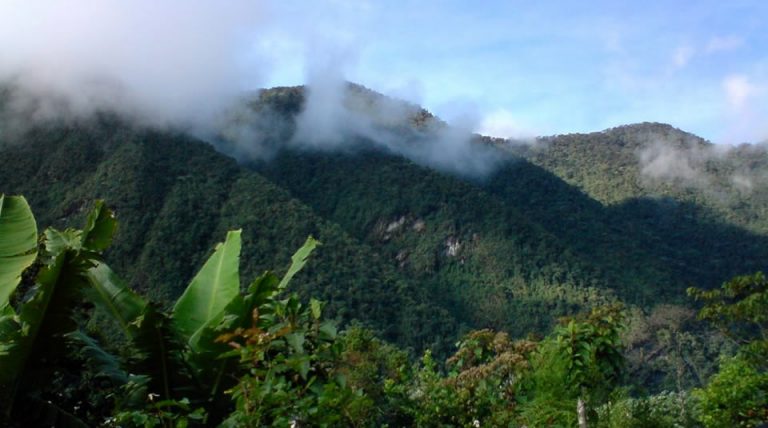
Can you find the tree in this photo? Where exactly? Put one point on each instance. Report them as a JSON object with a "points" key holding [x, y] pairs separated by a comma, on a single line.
{"points": [[583, 361], [738, 394]]}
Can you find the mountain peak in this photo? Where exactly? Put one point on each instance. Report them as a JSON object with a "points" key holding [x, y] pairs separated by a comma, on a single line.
{"points": [[647, 133]]}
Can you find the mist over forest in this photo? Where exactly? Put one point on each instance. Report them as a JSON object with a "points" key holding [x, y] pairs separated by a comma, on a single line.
{"points": [[405, 214]]}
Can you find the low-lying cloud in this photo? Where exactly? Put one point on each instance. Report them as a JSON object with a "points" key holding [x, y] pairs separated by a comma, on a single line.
{"points": [[690, 162], [162, 62], [188, 65]]}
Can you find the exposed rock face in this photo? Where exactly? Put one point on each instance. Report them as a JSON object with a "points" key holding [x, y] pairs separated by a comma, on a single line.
{"points": [[402, 258], [395, 225], [452, 246], [387, 229]]}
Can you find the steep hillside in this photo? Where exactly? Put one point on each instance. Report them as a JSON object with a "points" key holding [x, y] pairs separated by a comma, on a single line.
{"points": [[655, 245], [419, 254], [176, 196], [477, 254], [656, 160], [644, 223]]}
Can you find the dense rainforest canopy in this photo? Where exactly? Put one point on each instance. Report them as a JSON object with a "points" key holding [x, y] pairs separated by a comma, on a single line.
{"points": [[458, 295]]}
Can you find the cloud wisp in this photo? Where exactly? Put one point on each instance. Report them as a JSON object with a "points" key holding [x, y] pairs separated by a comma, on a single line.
{"points": [[188, 65], [717, 170], [161, 62]]}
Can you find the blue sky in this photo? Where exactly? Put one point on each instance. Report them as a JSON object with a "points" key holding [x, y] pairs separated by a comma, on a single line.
{"points": [[516, 68]]}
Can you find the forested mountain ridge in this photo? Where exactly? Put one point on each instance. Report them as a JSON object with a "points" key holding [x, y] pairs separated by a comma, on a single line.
{"points": [[655, 208], [176, 195], [418, 253], [658, 160]]}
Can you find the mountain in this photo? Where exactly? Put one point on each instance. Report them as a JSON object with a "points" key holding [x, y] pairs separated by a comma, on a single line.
{"points": [[175, 197], [411, 247], [660, 197]]}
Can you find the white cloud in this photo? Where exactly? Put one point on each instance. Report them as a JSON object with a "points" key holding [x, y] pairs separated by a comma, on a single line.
{"points": [[738, 90], [687, 163], [504, 124], [662, 161], [170, 61]]}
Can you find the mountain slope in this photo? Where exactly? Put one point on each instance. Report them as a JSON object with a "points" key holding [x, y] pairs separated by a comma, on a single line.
{"points": [[477, 255], [657, 160], [176, 196], [417, 253], [646, 239]]}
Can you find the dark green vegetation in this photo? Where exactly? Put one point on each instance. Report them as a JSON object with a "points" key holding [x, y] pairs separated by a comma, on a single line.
{"points": [[422, 257], [258, 356], [174, 195], [556, 228]]}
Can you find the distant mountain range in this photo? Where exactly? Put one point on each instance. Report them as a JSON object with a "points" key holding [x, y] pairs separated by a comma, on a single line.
{"points": [[424, 235]]}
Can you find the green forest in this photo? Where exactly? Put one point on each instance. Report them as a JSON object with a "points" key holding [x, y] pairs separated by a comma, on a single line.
{"points": [[149, 278], [228, 355]]}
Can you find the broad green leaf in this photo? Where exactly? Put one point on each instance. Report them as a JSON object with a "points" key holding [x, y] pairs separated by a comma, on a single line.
{"points": [[262, 288], [31, 316], [237, 313], [231, 317], [7, 311], [10, 332], [18, 243], [108, 292], [57, 241], [214, 286], [298, 261], [46, 316], [99, 228]]}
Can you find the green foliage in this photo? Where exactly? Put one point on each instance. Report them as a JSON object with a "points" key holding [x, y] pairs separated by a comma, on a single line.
{"points": [[32, 335], [505, 272], [738, 394], [214, 286], [740, 309], [176, 363], [547, 399], [481, 386], [582, 359], [18, 248], [177, 196], [291, 360], [540, 238], [593, 350], [123, 306], [165, 413], [414, 255], [663, 410], [667, 350], [194, 367], [382, 372]]}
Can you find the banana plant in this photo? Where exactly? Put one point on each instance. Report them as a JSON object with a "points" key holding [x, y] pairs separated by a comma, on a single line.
{"points": [[18, 245], [176, 356], [32, 333]]}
